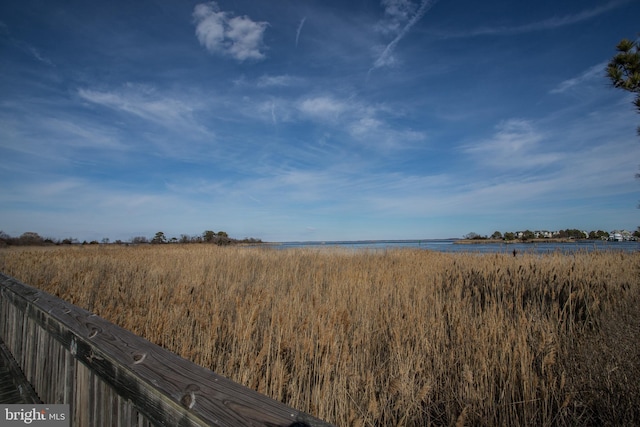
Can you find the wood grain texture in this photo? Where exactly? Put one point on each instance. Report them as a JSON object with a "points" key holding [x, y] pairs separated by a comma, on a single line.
{"points": [[14, 387], [112, 377]]}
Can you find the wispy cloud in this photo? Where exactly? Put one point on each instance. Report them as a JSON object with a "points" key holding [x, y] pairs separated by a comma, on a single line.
{"points": [[274, 110], [399, 10], [546, 24], [377, 133], [278, 81], [269, 81], [37, 54], [365, 124], [220, 32], [144, 102], [515, 144], [81, 135], [302, 21], [69, 139], [322, 107], [24, 46], [561, 21], [397, 13], [597, 71]]}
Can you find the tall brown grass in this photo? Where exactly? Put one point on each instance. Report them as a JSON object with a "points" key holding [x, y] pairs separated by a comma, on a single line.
{"points": [[396, 337]]}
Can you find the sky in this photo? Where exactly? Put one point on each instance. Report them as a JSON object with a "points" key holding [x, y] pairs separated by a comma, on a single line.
{"points": [[295, 120]]}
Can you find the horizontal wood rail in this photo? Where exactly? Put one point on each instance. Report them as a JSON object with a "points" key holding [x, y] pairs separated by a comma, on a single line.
{"points": [[111, 377]]}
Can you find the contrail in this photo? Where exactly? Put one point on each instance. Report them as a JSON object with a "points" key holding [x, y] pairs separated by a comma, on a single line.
{"points": [[300, 29], [388, 50], [273, 113]]}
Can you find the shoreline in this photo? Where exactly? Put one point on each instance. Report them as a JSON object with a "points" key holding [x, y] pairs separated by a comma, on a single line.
{"points": [[515, 241]]}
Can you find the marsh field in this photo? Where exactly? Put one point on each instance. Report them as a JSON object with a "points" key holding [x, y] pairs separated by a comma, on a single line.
{"points": [[378, 338]]}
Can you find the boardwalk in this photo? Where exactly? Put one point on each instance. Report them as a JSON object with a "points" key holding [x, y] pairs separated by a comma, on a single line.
{"points": [[110, 376], [14, 387]]}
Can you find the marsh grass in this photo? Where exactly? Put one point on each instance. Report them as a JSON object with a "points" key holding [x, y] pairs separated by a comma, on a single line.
{"points": [[364, 338]]}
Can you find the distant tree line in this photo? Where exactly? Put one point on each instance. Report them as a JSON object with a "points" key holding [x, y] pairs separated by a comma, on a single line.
{"points": [[561, 234], [31, 238]]}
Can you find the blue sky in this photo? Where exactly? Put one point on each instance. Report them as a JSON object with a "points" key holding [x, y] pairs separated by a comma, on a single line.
{"points": [[314, 120]]}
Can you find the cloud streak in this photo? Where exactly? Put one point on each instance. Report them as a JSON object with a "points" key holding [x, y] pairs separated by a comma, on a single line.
{"points": [[597, 71], [302, 21], [547, 24], [143, 102], [220, 32], [27, 48], [400, 9]]}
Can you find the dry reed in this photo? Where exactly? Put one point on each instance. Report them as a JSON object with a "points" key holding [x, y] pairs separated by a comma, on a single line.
{"points": [[395, 337]]}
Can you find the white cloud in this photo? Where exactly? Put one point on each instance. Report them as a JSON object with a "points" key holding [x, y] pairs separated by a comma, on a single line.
{"points": [[595, 72], [220, 32]]}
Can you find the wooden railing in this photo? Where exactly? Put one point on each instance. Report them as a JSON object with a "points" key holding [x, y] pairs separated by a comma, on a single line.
{"points": [[111, 377]]}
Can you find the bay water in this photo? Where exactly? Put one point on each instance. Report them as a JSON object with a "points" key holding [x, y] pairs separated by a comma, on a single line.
{"points": [[451, 245]]}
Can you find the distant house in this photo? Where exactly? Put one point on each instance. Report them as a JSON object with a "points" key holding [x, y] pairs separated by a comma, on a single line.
{"points": [[615, 237], [627, 235], [544, 234]]}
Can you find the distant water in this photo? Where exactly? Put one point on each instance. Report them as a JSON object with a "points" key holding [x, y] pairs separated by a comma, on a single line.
{"points": [[451, 246]]}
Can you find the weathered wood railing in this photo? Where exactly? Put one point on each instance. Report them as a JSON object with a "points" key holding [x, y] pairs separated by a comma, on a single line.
{"points": [[111, 377]]}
